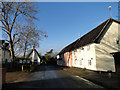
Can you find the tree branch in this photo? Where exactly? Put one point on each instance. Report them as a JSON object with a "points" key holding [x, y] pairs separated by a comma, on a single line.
{"points": [[4, 24], [5, 30], [16, 41], [14, 36], [14, 18], [4, 19]]}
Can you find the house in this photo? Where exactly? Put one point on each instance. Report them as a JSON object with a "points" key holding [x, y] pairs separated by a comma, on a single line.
{"points": [[34, 56], [4, 52], [94, 50]]}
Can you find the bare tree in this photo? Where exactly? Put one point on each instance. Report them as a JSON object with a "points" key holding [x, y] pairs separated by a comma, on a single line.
{"points": [[30, 36], [12, 13]]}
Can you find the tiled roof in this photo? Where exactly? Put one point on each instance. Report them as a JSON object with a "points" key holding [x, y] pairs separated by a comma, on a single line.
{"points": [[68, 48], [31, 53], [90, 37]]}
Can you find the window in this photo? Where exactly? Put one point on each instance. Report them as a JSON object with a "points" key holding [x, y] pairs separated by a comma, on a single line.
{"points": [[75, 50], [88, 48], [90, 62], [79, 50], [82, 49], [74, 53], [75, 61], [117, 41], [81, 61]]}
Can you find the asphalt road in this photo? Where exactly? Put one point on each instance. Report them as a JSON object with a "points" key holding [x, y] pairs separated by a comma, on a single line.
{"points": [[52, 77]]}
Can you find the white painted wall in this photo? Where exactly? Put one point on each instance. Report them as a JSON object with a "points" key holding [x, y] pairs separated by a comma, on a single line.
{"points": [[73, 59], [38, 62], [81, 57], [105, 60], [4, 54], [35, 57], [33, 54]]}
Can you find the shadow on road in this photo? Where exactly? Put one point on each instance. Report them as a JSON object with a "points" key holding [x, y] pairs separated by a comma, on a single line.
{"points": [[65, 82], [48, 68], [46, 83]]}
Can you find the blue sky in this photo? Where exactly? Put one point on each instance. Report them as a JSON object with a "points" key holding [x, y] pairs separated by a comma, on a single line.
{"points": [[63, 21]]}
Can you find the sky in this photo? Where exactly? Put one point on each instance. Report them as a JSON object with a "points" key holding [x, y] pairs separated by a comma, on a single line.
{"points": [[63, 21]]}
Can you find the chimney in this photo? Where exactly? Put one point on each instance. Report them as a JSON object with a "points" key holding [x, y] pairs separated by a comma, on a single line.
{"points": [[33, 48]]}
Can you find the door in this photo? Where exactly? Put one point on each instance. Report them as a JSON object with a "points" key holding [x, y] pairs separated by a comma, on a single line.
{"points": [[117, 61]]}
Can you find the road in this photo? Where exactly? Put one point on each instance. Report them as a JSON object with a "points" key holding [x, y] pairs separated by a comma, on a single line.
{"points": [[52, 77]]}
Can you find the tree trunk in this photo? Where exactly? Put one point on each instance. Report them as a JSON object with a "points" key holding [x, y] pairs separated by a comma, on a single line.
{"points": [[25, 49], [11, 50]]}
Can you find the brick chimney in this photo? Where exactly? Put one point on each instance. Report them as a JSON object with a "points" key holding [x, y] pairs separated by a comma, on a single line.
{"points": [[33, 48]]}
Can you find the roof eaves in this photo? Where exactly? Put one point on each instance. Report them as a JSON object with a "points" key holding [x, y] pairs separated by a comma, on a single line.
{"points": [[116, 21], [29, 53], [37, 53]]}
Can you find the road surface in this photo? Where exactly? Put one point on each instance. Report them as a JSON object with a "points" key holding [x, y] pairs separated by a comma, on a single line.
{"points": [[52, 77]]}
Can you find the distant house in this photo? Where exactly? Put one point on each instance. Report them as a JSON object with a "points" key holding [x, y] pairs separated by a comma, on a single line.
{"points": [[95, 50], [4, 52], [34, 56]]}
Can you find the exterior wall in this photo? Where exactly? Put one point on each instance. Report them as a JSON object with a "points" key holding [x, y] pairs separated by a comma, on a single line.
{"points": [[38, 62], [66, 58], [34, 56], [108, 44], [5, 55], [60, 60], [84, 57], [119, 37], [71, 60]]}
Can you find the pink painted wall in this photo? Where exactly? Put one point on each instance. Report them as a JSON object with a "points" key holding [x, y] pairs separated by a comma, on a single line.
{"points": [[68, 59], [66, 55], [71, 59]]}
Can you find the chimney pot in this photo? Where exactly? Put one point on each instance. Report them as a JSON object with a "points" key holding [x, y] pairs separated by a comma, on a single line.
{"points": [[33, 48]]}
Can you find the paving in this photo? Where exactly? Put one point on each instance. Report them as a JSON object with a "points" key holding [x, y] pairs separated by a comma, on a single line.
{"points": [[47, 77], [105, 79]]}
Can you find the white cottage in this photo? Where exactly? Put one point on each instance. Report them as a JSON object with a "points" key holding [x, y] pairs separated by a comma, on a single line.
{"points": [[94, 50], [34, 56], [4, 52]]}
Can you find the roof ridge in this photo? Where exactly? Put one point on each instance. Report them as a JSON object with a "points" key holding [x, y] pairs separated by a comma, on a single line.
{"points": [[94, 28]]}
